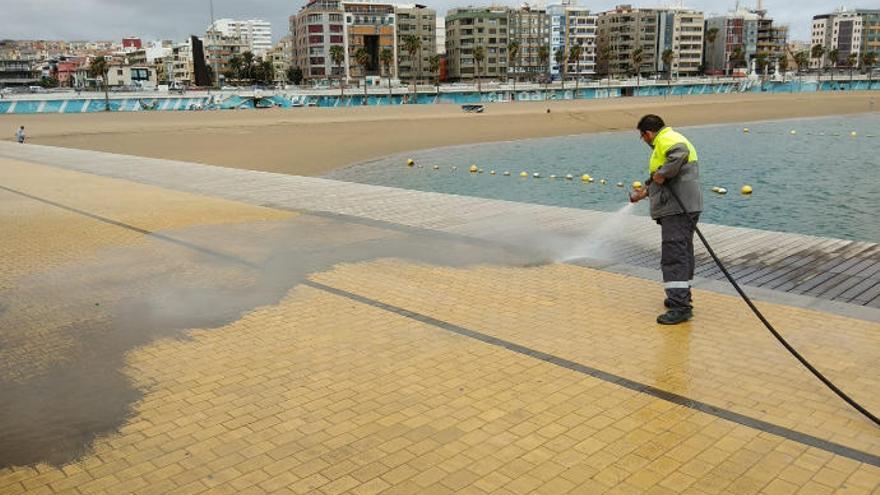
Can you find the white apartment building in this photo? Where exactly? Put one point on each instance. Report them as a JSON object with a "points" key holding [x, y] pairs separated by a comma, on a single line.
{"points": [[257, 34], [571, 25], [847, 31]]}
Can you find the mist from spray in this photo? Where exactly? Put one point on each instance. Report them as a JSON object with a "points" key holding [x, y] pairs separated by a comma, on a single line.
{"points": [[603, 240]]}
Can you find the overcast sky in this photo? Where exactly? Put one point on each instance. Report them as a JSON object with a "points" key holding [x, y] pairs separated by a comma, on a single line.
{"points": [[176, 19]]}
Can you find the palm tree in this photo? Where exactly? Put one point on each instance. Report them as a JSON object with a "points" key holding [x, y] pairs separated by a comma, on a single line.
{"points": [[513, 57], [852, 61], [386, 56], [99, 67], [337, 55], [783, 65], [544, 59], [737, 58], [869, 60], [802, 60], [575, 53], [818, 52], [562, 62], [248, 65], [637, 57], [762, 61], [362, 57], [667, 56], [711, 36], [479, 56], [833, 57], [412, 44], [434, 66]]}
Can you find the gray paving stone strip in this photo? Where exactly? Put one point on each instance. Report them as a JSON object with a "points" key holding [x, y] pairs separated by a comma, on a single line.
{"points": [[786, 260]]}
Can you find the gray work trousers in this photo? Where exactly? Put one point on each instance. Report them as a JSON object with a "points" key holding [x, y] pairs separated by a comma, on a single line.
{"points": [[677, 257]]}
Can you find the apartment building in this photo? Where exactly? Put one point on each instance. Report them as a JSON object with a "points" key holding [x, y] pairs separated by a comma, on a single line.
{"points": [[322, 24], [471, 27], [255, 33], [847, 31], [736, 42], [219, 51], [530, 27], [420, 21], [571, 25]]}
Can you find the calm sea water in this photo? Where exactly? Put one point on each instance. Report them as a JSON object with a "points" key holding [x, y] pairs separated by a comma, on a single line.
{"points": [[819, 180]]}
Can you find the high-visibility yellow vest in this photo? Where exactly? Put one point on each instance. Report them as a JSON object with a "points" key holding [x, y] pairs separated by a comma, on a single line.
{"points": [[665, 139]]}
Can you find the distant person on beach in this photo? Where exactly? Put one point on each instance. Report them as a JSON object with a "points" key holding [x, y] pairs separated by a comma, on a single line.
{"points": [[673, 169], [19, 136]]}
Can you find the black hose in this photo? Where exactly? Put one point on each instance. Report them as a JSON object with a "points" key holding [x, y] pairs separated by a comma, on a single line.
{"points": [[840, 393]]}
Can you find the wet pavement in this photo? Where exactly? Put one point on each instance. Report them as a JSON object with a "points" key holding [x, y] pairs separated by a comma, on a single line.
{"points": [[153, 340]]}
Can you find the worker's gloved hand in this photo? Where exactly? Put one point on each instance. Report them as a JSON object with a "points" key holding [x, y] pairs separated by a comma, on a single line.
{"points": [[636, 196]]}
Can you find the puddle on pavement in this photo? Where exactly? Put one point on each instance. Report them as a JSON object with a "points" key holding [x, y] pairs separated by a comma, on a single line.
{"points": [[64, 333]]}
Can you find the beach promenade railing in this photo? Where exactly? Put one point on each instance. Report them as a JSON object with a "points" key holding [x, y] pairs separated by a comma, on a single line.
{"points": [[458, 93]]}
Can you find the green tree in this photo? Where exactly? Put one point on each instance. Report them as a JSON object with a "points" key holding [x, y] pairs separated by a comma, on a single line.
{"points": [[386, 57], [737, 58], [412, 44], [544, 59], [637, 58], [295, 75], [337, 56], [818, 52], [434, 67], [852, 61], [48, 82], [99, 67], [575, 53], [711, 36], [869, 60], [247, 66], [561, 60], [667, 57], [762, 61], [479, 56], [513, 58], [834, 58], [362, 57], [783, 65]]}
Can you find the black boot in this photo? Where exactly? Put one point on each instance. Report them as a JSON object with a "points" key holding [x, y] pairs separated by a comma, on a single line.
{"points": [[675, 316], [667, 303]]}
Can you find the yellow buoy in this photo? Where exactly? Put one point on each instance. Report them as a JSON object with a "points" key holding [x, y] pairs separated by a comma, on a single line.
{"points": [[524, 174], [746, 130], [585, 177], [637, 185], [410, 162], [473, 169], [853, 134], [746, 189]]}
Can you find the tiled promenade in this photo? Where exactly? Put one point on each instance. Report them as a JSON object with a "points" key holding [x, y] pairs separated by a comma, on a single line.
{"points": [[162, 332]]}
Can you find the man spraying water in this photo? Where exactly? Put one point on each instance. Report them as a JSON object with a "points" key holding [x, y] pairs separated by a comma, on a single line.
{"points": [[673, 165]]}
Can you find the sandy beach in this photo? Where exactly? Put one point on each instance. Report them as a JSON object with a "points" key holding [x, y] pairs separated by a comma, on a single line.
{"points": [[313, 141]]}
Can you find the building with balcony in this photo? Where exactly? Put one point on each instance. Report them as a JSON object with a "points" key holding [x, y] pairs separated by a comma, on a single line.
{"points": [[571, 25], [420, 21], [741, 36], [530, 28], [472, 27], [847, 31], [256, 34], [18, 73]]}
